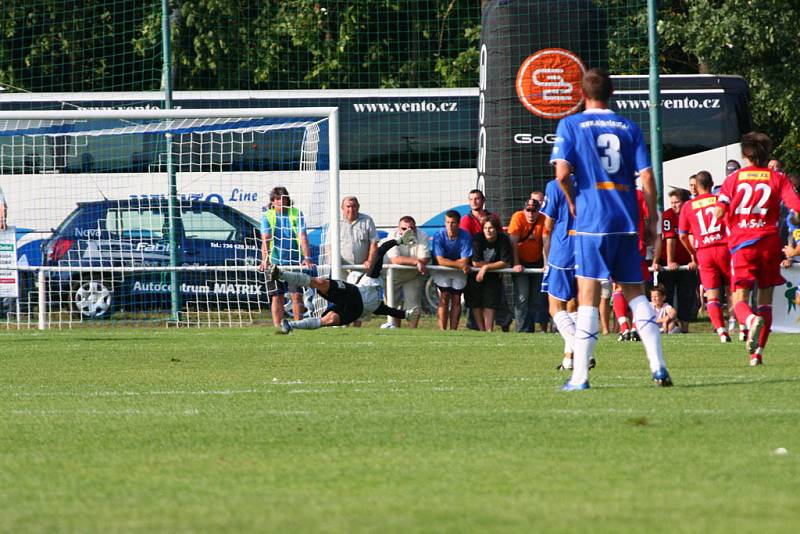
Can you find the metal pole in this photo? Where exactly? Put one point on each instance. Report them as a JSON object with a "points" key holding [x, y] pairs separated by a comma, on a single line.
{"points": [[42, 300], [333, 238], [655, 104], [166, 85]]}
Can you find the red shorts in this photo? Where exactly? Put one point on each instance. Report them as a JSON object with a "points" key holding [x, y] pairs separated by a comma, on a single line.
{"points": [[714, 266], [760, 262]]}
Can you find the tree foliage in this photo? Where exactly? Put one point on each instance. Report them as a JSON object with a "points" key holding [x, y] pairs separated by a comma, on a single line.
{"points": [[757, 39], [102, 45]]}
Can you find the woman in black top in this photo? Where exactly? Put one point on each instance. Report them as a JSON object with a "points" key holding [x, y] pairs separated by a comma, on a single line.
{"points": [[491, 251]]}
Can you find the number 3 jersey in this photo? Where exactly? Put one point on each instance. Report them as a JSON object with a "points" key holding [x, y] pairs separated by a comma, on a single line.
{"points": [[605, 151], [752, 197], [699, 219]]}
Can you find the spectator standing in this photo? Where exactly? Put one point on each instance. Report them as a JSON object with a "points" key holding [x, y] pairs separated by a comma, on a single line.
{"points": [[750, 200], [605, 151], [471, 223], [358, 237], [683, 283], [491, 250], [525, 230], [693, 186], [284, 242], [451, 247], [417, 255], [542, 306]]}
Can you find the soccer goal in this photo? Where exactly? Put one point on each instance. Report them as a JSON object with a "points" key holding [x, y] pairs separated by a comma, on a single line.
{"points": [[155, 215]]}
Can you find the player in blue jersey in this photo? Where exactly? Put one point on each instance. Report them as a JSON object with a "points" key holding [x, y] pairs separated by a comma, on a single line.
{"points": [[605, 151], [559, 277]]}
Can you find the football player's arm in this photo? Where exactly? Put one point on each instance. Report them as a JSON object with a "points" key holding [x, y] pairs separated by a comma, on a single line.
{"points": [[563, 172], [687, 243], [657, 245], [549, 224], [649, 192], [789, 196]]}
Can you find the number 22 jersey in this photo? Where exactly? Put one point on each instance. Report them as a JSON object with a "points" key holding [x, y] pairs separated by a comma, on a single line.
{"points": [[605, 151], [753, 196]]}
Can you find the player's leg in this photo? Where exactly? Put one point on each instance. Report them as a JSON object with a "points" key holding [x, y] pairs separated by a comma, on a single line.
{"points": [[560, 284], [412, 294], [587, 331], [629, 275], [605, 307], [620, 307]]}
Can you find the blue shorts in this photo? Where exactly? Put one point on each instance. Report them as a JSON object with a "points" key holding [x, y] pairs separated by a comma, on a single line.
{"points": [[609, 257], [560, 283]]}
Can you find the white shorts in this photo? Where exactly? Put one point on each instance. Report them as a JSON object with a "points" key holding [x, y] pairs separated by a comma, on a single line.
{"points": [[455, 280]]}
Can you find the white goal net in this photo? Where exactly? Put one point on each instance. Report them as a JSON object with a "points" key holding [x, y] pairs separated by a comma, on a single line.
{"points": [[157, 216]]}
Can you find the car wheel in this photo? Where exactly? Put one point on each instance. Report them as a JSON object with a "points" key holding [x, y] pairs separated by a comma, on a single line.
{"points": [[94, 299], [431, 295]]}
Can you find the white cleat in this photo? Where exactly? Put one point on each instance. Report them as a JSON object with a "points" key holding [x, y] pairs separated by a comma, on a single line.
{"points": [[754, 327]]}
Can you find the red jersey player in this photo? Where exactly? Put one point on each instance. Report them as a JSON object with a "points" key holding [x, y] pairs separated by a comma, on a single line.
{"points": [[750, 198], [710, 248]]}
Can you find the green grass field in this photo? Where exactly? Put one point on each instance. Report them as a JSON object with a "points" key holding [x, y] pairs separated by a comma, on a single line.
{"points": [[342, 430]]}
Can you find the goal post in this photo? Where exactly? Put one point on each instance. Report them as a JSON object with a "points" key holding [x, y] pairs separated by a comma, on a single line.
{"points": [[102, 199]]}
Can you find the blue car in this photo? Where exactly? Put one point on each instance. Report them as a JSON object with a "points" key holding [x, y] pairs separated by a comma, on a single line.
{"points": [[135, 232]]}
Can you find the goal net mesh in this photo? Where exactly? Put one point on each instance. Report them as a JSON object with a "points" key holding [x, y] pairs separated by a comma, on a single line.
{"points": [[90, 202]]}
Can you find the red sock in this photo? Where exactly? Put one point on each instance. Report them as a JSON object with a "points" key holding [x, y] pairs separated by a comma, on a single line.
{"points": [[620, 310], [715, 313], [765, 311], [742, 311]]}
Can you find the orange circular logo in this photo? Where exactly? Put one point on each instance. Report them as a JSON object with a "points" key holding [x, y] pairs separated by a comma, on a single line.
{"points": [[549, 83]]}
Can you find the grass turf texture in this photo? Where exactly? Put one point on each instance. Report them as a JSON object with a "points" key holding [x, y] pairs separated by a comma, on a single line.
{"points": [[390, 430]]}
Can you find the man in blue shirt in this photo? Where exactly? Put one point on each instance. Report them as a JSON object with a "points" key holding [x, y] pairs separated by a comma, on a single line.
{"points": [[605, 151], [452, 247], [284, 241]]}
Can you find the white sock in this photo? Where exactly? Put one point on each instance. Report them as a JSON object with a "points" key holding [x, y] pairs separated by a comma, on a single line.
{"points": [[574, 317], [309, 323], [645, 321], [566, 327], [587, 330]]}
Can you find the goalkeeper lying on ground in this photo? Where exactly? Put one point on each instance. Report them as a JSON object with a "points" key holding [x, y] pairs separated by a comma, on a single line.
{"points": [[351, 302]]}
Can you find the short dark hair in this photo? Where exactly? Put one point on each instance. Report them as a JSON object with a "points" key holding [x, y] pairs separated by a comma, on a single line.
{"points": [[757, 147], [704, 180], [597, 85], [661, 289], [408, 219], [452, 214], [682, 194], [282, 193], [477, 191], [731, 166]]}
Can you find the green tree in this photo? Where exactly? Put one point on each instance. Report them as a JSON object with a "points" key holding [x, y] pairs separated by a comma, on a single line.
{"points": [[57, 45], [757, 39]]}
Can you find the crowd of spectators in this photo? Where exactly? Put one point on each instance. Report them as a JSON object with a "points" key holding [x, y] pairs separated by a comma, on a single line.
{"points": [[476, 245]]}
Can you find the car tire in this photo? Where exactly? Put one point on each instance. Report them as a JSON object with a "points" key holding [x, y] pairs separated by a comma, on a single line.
{"points": [[94, 299]]}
